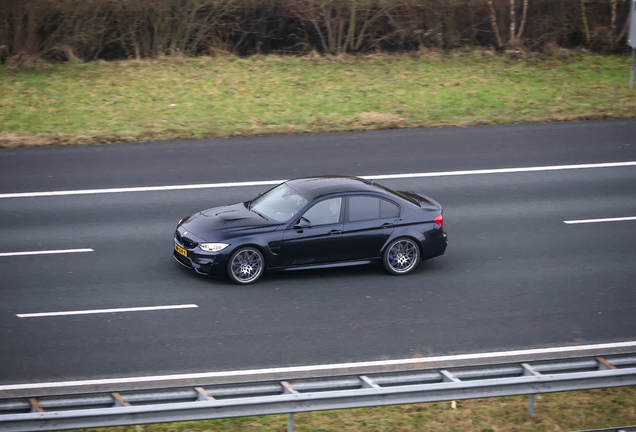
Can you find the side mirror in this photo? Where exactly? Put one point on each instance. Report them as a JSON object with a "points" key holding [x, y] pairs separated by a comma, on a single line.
{"points": [[302, 223]]}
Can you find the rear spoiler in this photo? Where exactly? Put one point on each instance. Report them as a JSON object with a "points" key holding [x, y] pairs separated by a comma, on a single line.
{"points": [[422, 200]]}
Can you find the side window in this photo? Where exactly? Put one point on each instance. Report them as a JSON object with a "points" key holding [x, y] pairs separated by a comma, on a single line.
{"points": [[388, 210], [325, 212], [363, 208]]}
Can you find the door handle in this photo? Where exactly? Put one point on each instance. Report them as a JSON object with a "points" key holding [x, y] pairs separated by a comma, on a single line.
{"points": [[387, 225], [335, 232]]}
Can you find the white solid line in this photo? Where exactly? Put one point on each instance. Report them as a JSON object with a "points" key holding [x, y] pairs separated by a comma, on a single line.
{"points": [[98, 311], [242, 373], [600, 220], [47, 252], [140, 189], [503, 170], [274, 182]]}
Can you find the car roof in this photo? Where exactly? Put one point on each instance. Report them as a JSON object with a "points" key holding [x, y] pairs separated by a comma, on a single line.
{"points": [[314, 187]]}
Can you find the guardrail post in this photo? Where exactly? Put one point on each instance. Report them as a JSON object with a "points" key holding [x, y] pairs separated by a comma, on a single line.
{"points": [[119, 400], [631, 75], [203, 395], [604, 364], [368, 382], [288, 389], [290, 423], [528, 370], [449, 377], [531, 405], [35, 406]]}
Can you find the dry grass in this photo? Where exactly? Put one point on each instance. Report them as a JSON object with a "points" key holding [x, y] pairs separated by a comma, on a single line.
{"points": [[556, 412], [177, 97]]}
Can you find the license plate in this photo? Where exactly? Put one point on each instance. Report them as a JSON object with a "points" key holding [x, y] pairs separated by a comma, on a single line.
{"points": [[181, 250]]}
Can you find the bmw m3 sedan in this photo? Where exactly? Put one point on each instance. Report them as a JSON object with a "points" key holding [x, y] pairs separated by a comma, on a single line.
{"points": [[314, 222]]}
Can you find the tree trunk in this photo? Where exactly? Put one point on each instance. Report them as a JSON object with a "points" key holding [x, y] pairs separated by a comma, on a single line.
{"points": [[512, 22], [351, 33], [524, 15], [493, 22], [613, 20], [330, 36], [623, 32], [586, 27]]}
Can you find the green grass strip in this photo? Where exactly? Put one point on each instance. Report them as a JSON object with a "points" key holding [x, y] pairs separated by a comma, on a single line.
{"points": [[173, 98]]}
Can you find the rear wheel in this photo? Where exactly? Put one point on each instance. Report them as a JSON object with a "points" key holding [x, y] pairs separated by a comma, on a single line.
{"points": [[401, 256], [245, 266]]}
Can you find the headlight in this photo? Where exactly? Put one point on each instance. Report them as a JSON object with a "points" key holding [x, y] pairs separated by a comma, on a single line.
{"points": [[213, 247]]}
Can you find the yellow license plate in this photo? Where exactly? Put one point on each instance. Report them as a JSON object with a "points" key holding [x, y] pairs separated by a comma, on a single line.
{"points": [[181, 250]]}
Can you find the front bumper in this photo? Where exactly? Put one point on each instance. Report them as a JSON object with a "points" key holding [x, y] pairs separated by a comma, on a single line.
{"points": [[205, 264]]}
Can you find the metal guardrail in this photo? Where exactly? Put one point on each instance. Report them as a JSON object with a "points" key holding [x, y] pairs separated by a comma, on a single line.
{"points": [[314, 394], [108, 385]]}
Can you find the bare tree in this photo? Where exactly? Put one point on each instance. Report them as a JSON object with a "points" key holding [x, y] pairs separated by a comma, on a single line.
{"points": [[512, 22], [615, 40], [493, 22], [586, 26], [65, 29], [524, 16], [515, 35], [341, 25]]}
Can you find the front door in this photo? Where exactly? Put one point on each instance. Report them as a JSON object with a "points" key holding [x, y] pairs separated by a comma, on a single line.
{"points": [[317, 237]]}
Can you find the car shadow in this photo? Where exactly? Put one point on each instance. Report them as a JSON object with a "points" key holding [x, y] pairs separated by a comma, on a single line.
{"points": [[298, 276]]}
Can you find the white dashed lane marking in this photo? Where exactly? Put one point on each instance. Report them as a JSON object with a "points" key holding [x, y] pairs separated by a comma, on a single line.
{"points": [[100, 311], [583, 221], [46, 252]]}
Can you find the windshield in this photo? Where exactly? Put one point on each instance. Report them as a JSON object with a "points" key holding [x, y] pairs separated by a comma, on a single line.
{"points": [[279, 204]]}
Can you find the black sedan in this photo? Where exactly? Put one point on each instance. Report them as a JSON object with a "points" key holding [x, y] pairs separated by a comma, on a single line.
{"points": [[314, 222]]}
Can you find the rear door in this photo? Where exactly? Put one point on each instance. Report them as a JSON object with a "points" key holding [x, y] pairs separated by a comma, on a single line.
{"points": [[369, 222]]}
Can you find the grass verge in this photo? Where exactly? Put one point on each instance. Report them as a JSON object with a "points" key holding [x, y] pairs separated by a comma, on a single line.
{"points": [[172, 98], [556, 412]]}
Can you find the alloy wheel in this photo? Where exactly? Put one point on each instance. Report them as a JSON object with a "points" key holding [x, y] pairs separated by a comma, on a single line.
{"points": [[247, 266], [403, 256]]}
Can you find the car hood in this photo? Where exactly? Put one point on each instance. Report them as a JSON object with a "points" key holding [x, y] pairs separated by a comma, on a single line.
{"points": [[219, 222]]}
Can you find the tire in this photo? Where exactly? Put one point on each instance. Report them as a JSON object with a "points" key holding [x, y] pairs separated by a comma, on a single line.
{"points": [[245, 266], [401, 256]]}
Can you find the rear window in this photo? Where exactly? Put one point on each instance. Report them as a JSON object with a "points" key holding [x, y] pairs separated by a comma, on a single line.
{"points": [[388, 210], [363, 208]]}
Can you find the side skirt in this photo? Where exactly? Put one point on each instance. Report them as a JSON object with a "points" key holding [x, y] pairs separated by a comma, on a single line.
{"points": [[326, 265]]}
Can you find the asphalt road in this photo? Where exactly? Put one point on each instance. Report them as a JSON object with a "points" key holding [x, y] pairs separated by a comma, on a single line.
{"points": [[514, 275]]}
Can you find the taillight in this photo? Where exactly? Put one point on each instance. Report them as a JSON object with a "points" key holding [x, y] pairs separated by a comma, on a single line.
{"points": [[439, 220]]}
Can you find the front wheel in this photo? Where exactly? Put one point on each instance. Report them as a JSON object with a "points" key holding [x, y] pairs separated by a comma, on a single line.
{"points": [[401, 256], [245, 266]]}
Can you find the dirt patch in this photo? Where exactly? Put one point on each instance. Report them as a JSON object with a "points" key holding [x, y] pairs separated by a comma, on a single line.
{"points": [[28, 62], [555, 51], [11, 140], [384, 120]]}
